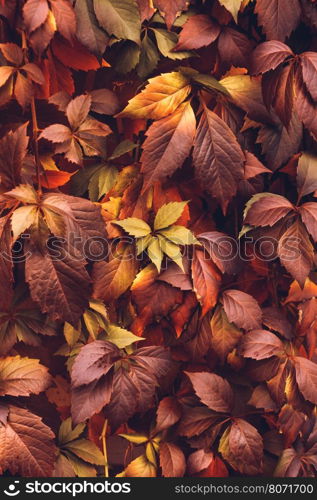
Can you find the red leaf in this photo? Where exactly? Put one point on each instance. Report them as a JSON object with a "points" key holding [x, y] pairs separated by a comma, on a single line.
{"points": [[234, 48], [278, 17], [170, 10], [309, 71], [306, 377], [242, 309], [308, 213], [74, 56], [266, 209], [169, 411], [65, 18], [260, 344], [35, 13], [206, 280], [197, 32], [212, 390], [172, 460], [268, 56]]}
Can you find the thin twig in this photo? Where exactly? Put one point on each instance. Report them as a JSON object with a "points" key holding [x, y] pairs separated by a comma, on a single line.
{"points": [[103, 437]]}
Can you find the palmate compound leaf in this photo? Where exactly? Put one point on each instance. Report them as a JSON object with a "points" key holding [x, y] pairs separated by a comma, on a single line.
{"points": [[213, 390], [167, 145], [160, 98], [242, 309], [22, 376], [242, 447], [218, 158], [26, 445]]}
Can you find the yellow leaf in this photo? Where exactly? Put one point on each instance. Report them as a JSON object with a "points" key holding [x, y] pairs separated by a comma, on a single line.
{"points": [[92, 323], [140, 467], [143, 243], [121, 337], [155, 253], [67, 433], [71, 334], [180, 235], [232, 6], [172, 251], [135, 438], [135, 227], [161, 97], [168, 214], [150, 454], [87, 451], [22, 218]]}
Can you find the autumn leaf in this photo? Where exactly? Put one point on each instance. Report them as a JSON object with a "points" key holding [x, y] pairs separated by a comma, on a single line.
{"points": [[197, 32], [278, 18], [242, 309], [212, 390]]}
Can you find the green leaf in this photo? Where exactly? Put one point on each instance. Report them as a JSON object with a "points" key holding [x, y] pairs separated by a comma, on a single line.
{"points": [[67, 433], [71, 334], [166, 41], [119, 18], [86, 450], [179, 235], [124, 147], [149, 57], [155, 253], [121, 337], [135, 227], [210, 83], [168, 214], [128, 57], [102, 181]]}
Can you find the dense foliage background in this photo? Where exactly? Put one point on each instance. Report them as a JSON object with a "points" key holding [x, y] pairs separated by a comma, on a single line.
{"points": [[158, 174]]}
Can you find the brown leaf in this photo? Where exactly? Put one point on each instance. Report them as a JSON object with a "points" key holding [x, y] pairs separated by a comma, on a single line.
{"points": [[213, 390], [22, 376], [167, 145], [170, 10], [206, 280], [13, 150], [242, 446], [27, 446], [35, 13], [172, 460], [65, 18], [242, 309], [225, 335], [12, 53], [306, 377], [198, 461], [234, 47], [6, 267], [266, 209], [197, 32], [278, 17], [308, 213], [296, 252], [260, 344], [268, 56], [309, 71], [169, 411], [218, 158]]}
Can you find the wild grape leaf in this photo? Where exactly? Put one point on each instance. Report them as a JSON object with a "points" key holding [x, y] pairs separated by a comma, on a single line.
{"points": [[172, 460], [88, 31], [54, 283], [197, 32], [225, 335], [278, 17], [160, 98], [296, 252], [168, 214], [309, 71], [119, 18], [306, 375], [308, 213], [233, 6], [266, 209], [213, 390], [27, 446], [170, 10], [215, 149], [167, 145], [198, 461], [268, 55], [169, 412], [22, 376], [13, 150], [35, 13], [260, 344], [234, 47], [206, 280], [306, 174], [242, 309], [111, 279], [6, 271], [242, 447]]}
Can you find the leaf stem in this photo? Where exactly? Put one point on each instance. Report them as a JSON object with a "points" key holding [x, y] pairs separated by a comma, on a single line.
{"points": [[103, 437], [36, 147]]}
